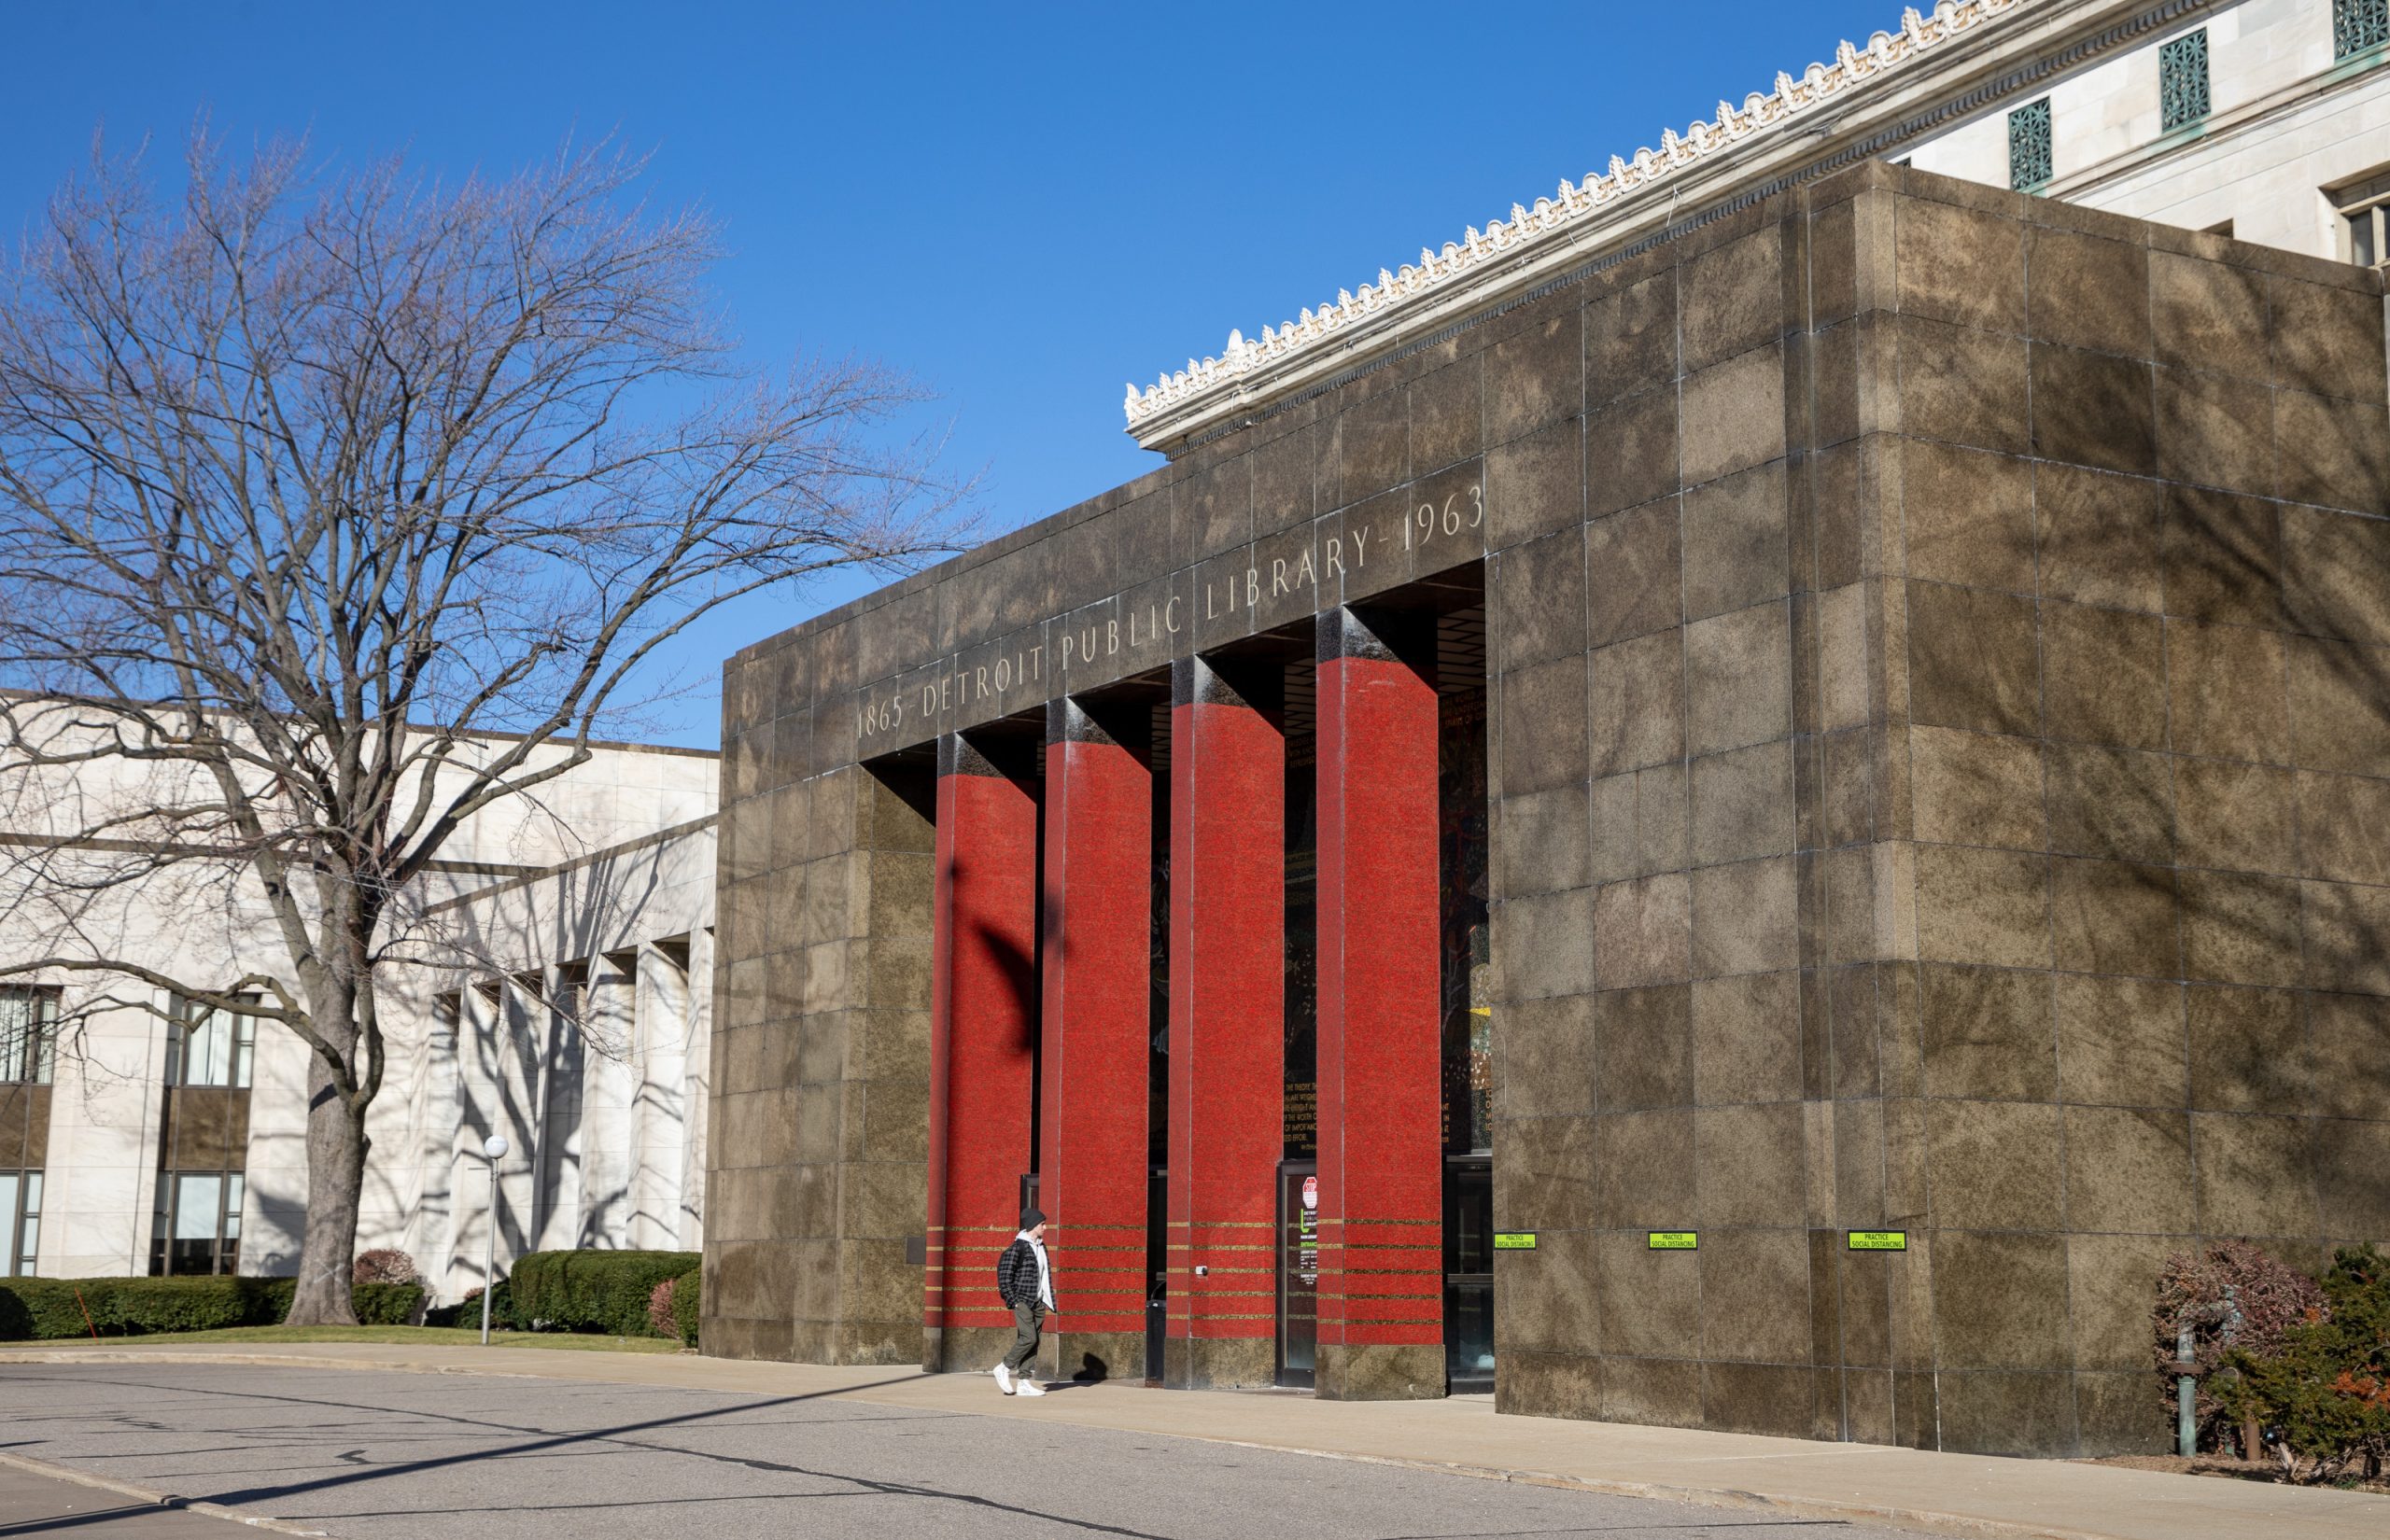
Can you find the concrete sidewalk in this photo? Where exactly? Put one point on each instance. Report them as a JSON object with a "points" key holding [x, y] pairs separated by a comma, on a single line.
{"points": [[1945, 1493]]}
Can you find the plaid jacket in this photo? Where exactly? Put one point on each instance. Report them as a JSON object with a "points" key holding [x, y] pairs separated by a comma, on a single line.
{"points": [[1016, 1274]]}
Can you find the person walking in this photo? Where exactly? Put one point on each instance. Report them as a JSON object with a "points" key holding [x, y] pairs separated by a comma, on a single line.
{"points": [[1025, 1280]]}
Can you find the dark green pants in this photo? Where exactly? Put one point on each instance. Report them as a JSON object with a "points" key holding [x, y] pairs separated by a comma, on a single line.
{"points": [[1026, 1319]]}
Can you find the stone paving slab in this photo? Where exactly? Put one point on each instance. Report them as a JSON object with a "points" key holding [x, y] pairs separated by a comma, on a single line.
{"points": [[1945, 1493]]}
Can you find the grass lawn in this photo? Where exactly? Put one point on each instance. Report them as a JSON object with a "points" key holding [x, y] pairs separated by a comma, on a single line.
{"points": [[441, 1337]]}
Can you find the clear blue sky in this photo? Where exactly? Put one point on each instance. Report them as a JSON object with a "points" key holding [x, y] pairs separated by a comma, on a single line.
{"points": [[1023, 206]]}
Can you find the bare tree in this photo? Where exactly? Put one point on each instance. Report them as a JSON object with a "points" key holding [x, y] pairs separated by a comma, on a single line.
{"points": [[337, 508]]}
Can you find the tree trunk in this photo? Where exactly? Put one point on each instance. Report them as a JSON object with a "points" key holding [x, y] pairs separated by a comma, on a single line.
{"points": [[335, 1184]]}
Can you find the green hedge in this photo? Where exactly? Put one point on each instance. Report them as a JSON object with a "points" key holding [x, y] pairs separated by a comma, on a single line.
{"points": [[686, 1308], [35, 1309], [592, 1290], [468, 1312]]}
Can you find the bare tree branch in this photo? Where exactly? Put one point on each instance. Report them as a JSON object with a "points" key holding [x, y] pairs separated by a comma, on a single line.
{"points": [[341, 510]]}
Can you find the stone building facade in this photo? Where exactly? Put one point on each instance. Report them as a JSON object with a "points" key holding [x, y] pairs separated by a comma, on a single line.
{"points": [[1741, 822], [560, 998]]}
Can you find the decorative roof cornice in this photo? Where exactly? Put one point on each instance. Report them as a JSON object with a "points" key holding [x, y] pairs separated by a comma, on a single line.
{"points": [[1154, 410]]}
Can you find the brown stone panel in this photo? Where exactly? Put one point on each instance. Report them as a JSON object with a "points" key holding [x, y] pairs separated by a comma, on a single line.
{"points": [[2086, 292], [1447, 416], [1634, 571], [2327, 340], [2093, 408], [1961, 265], [1962, 387], [2098, 537], [2209, 315], [1969, 516], [1734, 541], [1532, 375], [1732, 415], [1538, 598], [1631, 339], [2331, 452], [1732, 297], [1374, 445], [1974, 660], [1533, 485], [2214, 430]]}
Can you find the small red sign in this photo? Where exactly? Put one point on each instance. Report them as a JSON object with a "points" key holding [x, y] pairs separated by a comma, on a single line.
{"points": [[1310, 1192]]}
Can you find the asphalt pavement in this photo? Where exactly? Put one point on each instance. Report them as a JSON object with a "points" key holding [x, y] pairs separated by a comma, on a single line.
{"points": [[370, 1455], [32, 1504]]}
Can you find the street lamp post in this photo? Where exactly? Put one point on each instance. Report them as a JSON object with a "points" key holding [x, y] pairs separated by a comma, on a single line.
{"points": [[495, 1148]]}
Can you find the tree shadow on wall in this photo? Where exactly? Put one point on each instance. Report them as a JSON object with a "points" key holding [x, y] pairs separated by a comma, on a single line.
{"points": [[2210, 678]]}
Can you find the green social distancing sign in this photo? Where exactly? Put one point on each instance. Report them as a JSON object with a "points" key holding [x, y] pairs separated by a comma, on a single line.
{"points": [[1689, 1241]]}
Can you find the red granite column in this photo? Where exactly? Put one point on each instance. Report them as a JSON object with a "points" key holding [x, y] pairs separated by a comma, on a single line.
{"points": [[1381, 1159], [1097, 968], [983, 1028], [1228, 942]]}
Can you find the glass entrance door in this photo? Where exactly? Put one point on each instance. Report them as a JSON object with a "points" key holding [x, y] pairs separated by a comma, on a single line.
{"points": [[1298, 1270], [1469, 1273]]}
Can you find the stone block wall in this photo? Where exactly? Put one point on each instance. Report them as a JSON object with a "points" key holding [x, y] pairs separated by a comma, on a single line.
{"points": [[1972, 811], [1940, 699]]}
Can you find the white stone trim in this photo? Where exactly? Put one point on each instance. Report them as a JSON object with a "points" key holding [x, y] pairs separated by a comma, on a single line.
{"points": [[1159, 412]]}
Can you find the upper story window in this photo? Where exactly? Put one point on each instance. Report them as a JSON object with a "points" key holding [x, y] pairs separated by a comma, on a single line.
{"points": [[28, 1035], [2182, 80], [2358, 25], [2365, 221], [2028, 147], [205, 1046]]}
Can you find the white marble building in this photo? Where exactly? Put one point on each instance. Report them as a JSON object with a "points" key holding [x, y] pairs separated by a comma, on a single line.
{"points": [[134, 1138], [2295, 132]]}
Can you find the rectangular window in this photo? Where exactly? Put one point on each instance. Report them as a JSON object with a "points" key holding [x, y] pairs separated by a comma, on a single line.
{"points": [[2364, 211], [19, 1221], [206, 1047], [198, 1222], [2358, 25], [2028, 147], [28, 1035], [2182, 80]]}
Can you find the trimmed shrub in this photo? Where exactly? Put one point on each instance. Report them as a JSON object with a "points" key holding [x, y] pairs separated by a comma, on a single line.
{"points": [[687, 1305], [385, 1264], [594, 1291], [391, 1304], [49, 1307], [2237, 1299], [43, 1308]]}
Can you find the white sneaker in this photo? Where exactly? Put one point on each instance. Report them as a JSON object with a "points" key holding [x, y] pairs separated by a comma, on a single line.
{"points": [[1029, 1387], [1003, 1379]]}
